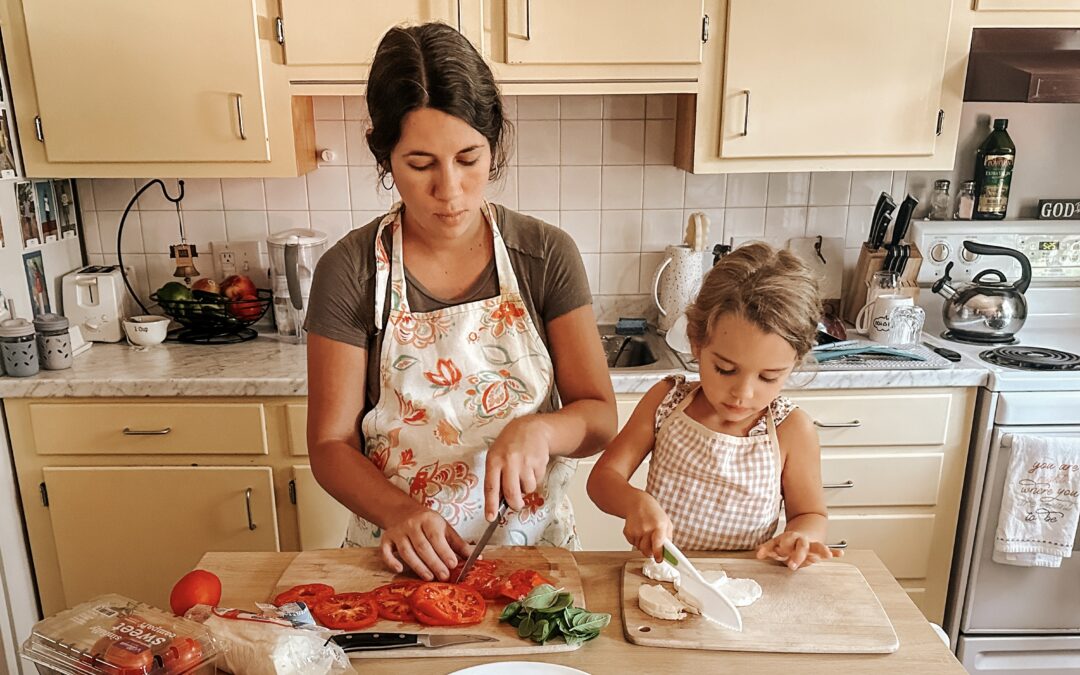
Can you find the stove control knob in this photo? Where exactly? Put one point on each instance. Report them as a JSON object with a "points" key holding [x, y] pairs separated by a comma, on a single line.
{"points": [[939, 252], [968, 256]]}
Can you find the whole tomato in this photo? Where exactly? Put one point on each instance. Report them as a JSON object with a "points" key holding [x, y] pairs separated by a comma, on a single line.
{"points": [[248, 308], [236, 286], [197, 587]]}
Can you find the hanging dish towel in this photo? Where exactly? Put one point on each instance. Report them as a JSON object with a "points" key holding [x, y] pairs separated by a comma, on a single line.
{"points": [[1037, 523]]}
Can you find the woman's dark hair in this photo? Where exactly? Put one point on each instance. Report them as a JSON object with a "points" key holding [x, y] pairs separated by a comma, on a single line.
{"points": [[432, 66]]}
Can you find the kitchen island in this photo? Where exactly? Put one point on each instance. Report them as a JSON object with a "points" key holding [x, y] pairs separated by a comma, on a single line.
{"points": [[248, 578]]}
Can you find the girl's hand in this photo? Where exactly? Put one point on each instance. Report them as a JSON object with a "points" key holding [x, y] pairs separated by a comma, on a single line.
{"points": [[647, 526], [516, 464], [424, 541], [797, 549]]}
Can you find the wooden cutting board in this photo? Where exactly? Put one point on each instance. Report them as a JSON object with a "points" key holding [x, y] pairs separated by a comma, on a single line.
{"points": [[362, 569], [827, 608]]}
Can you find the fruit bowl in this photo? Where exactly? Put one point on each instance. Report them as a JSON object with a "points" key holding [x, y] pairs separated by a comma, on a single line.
{"points": [[212, 315]]}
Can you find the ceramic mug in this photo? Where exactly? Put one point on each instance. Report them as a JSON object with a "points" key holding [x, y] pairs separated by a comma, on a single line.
{"points": [[146, 330], [874, 319]]}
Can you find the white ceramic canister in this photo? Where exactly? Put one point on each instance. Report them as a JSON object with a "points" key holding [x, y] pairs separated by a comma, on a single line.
{"points": [[676, 283], [53, 341]]}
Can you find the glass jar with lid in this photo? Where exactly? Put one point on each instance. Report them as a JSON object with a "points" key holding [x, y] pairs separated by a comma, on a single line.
{"points": [[965, 201], [939, 200]]}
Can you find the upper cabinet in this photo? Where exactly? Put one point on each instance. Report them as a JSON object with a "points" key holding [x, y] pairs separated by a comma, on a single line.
{"points": [[832, 84], [603, 32], [832, 77], [123, 87], [346, 32], [1027, 5]]}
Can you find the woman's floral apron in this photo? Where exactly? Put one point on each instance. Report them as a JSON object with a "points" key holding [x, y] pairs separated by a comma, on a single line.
{"points": [[452, 379]]}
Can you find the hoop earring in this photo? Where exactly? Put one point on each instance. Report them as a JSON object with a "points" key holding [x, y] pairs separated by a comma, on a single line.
{"points": [[382, 181]]}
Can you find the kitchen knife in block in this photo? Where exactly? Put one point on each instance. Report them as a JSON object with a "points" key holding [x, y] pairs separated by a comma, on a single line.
{"points": [[903, 219], [712, 604], [879, 222], [830, 273]]}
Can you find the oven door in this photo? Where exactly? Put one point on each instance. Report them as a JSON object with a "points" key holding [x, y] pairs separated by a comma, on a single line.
{"points": [[1010, 599]]}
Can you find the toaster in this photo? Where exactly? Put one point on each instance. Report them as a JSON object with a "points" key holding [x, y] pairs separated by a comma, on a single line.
{"points": [[96, 300]]}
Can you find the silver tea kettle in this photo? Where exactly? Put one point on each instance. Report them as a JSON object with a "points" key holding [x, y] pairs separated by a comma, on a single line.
{"points": [[985, 311]]}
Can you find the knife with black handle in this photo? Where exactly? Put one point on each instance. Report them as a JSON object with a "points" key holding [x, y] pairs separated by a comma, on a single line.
{"points": [[879, 223], [903, 218]]}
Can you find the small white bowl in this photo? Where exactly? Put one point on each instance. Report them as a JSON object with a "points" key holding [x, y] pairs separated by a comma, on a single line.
{"points": [[146, 330]]}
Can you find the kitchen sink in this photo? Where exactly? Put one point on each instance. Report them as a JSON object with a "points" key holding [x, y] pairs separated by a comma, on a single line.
{"points": [[636, 353]]}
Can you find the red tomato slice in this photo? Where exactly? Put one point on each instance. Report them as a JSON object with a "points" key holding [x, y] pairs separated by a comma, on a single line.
{"points": [[440, 604], [521, 582], [484, 568], [393, 600], [346, 611], [492, 587], [306, 593]]}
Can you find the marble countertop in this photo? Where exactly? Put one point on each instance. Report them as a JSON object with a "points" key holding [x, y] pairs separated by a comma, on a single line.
{"points": [[267, 367]]}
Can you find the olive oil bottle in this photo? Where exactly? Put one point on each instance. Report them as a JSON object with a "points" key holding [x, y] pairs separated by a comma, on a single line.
{"points": [[993, 173]]}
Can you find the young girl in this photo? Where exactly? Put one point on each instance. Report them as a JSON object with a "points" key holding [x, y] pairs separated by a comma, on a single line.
{"points": [[728, 449]]}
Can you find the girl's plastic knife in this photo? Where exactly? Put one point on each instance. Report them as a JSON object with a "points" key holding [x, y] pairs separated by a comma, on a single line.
{"points": [[710, 602]]}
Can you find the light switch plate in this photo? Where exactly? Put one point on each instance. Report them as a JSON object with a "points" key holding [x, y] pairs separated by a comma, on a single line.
{"points": [[241, 257]]}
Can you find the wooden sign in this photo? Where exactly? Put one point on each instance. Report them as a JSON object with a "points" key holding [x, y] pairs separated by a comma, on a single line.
{"points": [[1059, 209]]}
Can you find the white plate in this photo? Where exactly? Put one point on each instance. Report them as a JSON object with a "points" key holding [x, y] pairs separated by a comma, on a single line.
{"points": [[520, 668], [676, 336]]}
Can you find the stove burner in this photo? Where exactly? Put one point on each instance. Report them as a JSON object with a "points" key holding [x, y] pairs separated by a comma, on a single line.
{"points": [[969, 340], [1031, 358]]}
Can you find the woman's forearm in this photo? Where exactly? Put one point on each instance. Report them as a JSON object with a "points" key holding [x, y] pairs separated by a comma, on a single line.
{"points": [[350, 477], [579, 429]]}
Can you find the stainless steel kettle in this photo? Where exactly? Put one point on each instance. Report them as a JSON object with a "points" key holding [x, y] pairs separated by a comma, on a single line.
{"points": [[985, 311]]}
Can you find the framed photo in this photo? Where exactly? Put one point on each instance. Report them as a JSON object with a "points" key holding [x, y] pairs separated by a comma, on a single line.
{"points": [[36, 282], [7, 156], [28, 222], [65, 208], [46, 210]]}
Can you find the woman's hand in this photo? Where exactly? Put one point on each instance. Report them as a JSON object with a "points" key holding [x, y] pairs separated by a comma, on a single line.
{"points": [[424, 541], [647, 526], [516, 464], [797, 549]]}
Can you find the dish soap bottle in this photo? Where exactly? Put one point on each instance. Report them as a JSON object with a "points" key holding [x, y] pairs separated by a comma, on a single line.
{"points": [[993, 173]]}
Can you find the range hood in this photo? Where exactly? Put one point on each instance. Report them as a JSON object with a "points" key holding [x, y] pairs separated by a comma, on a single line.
{"points": [[1029, 65]]}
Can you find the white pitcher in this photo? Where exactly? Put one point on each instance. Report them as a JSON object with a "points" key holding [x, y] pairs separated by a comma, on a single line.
{"points": [[673, 292]]}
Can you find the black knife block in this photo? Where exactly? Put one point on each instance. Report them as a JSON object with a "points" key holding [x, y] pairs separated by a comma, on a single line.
{"points": [[869, 262]]}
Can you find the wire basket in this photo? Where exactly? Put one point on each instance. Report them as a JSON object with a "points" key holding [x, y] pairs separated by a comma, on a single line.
{"points": [[212, 314]]}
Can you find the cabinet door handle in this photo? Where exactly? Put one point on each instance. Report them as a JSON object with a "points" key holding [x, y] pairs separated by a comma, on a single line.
{"points": [[528, 19], [247, 501], [459, 16], [240, 116], [146, 432], [853, 424], [840, 544], [746, 114], [845, 484]]}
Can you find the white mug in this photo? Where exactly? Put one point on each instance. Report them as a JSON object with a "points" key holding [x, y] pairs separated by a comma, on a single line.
{"points": [[873, 319], [146, 330]]}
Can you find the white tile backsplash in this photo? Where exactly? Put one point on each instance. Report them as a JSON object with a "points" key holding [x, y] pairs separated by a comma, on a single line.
{"points": [[598, 166]]}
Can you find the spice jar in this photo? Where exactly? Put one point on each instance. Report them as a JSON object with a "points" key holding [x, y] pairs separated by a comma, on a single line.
{"points": [[18, 349], [53, 341], [939, 200], [965, 201]]}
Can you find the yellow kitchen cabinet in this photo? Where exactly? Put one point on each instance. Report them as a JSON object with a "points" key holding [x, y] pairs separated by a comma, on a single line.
{"points": [[796, 86], [135, 530], [128, 88], [321, 519]]}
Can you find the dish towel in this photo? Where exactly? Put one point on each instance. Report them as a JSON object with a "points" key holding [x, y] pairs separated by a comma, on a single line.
{"points": [[1039, 511]]}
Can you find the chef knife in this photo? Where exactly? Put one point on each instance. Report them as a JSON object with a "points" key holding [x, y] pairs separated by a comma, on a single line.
{"points": [[710, 602], [364, 642], [903, 218], [879, 223], [478, 549]]}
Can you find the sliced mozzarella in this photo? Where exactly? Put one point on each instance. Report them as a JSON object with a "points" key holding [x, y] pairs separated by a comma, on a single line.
{"points": [[657, 601], [659, 571]]}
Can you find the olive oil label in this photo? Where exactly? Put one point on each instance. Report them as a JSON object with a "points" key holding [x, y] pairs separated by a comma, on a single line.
{"points": [[994, 195]]}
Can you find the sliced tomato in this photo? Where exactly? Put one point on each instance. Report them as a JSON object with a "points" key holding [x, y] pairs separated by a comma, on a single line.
{"points": [[393, 600], [481, 569], [492, 588], [520, 582], [306, 593], [441, 604], [346, 611]]}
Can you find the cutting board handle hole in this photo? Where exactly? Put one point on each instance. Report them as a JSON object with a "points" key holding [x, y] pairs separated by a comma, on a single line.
{"points": [[644, 629]]}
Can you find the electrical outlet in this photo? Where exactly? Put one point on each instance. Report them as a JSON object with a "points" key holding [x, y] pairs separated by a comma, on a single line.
{"points": [[242, 257]]}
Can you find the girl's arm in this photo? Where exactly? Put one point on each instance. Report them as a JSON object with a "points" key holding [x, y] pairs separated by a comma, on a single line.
{"points": [[517, 461], [609, 483], [803, 540]]}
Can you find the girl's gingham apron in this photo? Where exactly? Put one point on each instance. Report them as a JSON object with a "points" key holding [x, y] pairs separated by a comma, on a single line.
{"points": [[721, 492], [452, 379]]}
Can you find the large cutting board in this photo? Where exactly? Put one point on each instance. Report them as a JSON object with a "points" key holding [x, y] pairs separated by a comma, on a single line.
{"points": [[362, 569], [827, 608]]}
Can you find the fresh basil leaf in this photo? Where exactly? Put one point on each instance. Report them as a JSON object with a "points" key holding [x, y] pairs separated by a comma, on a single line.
{"points": [[515, 620], [526, 627], [509, 611], [541, 597], [590, 623], [542, 631], [563, 601], [572, 640]]}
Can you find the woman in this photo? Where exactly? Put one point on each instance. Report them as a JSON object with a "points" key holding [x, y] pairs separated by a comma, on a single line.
{"points": [[444, 328]]}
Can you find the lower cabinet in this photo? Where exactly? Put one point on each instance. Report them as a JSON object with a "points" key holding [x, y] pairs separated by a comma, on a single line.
{"points": [[135, 530], [320, 519]]}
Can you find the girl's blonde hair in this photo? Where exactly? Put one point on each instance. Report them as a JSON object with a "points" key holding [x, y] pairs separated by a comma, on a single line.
{"points": [[768, 287]]}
